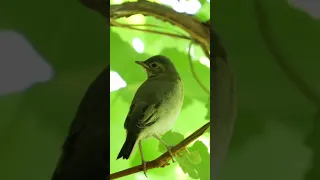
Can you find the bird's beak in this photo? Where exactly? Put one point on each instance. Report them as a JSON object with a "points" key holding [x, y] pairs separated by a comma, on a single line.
{"points": [[141, 63]]}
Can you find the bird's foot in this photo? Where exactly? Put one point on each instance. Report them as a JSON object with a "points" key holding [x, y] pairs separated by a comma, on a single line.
{"points": [[165, 164], [183, 150], [144, 163], [178, 154], [169, 150]]}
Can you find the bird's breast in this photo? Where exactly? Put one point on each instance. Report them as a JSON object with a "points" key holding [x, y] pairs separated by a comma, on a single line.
{"points": [[168, 113]]}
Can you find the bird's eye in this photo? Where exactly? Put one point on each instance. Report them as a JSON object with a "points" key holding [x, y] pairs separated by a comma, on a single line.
{"points": [[154, 65]]}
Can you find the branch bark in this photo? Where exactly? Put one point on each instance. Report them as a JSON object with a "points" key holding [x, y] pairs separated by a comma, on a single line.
{"points": [[132, 26]]}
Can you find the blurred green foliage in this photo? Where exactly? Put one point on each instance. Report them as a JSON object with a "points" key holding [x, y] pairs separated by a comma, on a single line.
{"points": [[34, 123], [274, 117]]}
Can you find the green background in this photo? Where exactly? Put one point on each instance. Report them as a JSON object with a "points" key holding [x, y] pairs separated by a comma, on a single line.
{"points": [[274, 118]]}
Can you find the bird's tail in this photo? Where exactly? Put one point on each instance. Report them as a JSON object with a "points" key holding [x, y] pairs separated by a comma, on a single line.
{"points": [[128, 146]]}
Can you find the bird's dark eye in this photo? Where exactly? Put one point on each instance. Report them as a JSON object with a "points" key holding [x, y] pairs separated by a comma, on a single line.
{"points": [[154, 65]]}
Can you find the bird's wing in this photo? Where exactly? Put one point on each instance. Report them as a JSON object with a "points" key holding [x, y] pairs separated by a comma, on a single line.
{"points": [[143, 110], [141, 115]]}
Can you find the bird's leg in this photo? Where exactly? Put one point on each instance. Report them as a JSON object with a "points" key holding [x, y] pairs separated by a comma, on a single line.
{"points": [[167, 146], [144, 163]]}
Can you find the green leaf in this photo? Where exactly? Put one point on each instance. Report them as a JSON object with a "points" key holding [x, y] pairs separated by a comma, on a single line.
{"points": [[203, 168], [204, 13], [171, 138], [187, 167], [194, 157], [196, 162]]}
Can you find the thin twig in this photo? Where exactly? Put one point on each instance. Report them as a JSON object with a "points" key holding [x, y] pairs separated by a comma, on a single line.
{"points": [[117, 24], [194, 72], [164, 158]]}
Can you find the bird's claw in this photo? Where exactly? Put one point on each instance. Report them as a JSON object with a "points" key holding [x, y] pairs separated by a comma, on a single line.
{"points": [[165, 164], [169, 150]]}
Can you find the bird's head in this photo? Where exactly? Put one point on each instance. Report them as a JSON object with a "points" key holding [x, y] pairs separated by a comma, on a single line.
{"points": [[157, 65]]}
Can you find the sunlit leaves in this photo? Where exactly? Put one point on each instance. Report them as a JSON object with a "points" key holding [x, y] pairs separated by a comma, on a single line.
{"points": [[194, 157], [192, 160], [171, 138], [204, 13], [187, 167], [203, 168]]}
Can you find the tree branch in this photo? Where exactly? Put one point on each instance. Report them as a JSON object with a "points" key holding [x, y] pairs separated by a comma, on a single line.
{"points": [[188, 23], [198, 31], [148, 25], [164, 158], [129, 26]]}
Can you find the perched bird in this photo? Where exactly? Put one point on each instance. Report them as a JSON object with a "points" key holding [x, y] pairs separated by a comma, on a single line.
{"points": [[155, 106]]}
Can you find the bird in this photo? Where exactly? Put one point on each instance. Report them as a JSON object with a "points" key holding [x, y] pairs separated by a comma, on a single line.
{"points": [[155, 107]]}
